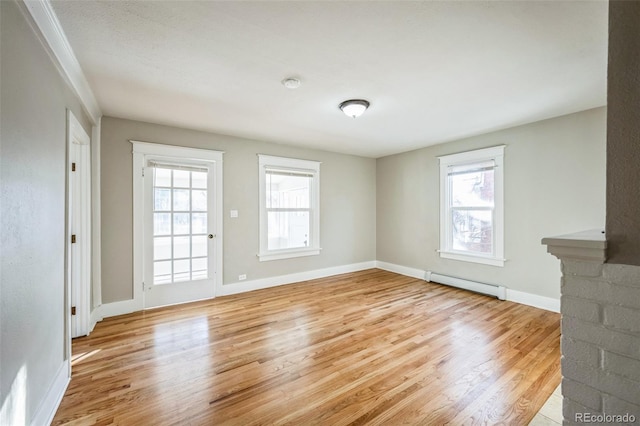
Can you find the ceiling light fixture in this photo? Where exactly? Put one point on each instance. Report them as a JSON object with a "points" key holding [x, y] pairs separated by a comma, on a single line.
{"points": [[291, 83], [354, 107]]}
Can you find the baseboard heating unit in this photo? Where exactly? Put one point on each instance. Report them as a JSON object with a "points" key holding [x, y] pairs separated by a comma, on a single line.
{"points": [[492, 290]]}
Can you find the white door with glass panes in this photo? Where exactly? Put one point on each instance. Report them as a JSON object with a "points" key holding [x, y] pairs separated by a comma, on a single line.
{"points": [[178, 232]]}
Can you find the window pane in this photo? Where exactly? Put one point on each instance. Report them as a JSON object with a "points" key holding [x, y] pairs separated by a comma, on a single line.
{"points": [[181, 199], [162, 272], [288, 191], [161, 248], [287, 230], [180, 211], [180, 247], [199, 200], [199, 268], [199, 180], [472, 189], [473, 231], [162, 177], [198, 223], [161, 199], [181, 270], [181, 178], [161, 223], [199, 246], [180, 223]]}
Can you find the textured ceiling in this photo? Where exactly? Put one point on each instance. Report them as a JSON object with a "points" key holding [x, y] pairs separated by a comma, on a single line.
{"points": [[433, 71]]}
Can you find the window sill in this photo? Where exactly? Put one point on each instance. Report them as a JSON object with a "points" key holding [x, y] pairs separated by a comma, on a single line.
{"points": [[493, 261], [287, 254]]}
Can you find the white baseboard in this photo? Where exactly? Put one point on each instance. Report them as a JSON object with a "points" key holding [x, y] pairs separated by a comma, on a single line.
{"points": [[128, 306], [402, 270], [118, 308], [95, 317], [243, 286], [49, 405], [542, 302]]}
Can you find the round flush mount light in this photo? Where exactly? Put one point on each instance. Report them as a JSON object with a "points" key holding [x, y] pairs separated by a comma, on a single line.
{"points": [[354, 107], [291, 83]]}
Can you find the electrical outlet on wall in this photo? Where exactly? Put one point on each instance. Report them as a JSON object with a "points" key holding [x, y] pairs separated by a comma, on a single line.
{"points": [[242, 277]]}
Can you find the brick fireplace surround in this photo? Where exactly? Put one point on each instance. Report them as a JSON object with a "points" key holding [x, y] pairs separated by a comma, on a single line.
{"points": [[600, 307]]}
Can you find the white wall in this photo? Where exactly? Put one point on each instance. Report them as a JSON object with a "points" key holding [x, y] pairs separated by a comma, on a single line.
{"points": [[385, 209], [554, 184], [399, 225], [347, 204], [34, 100]]}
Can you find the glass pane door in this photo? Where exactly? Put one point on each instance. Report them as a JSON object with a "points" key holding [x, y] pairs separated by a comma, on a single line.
{"points": [[177, 217], [180, 249]]}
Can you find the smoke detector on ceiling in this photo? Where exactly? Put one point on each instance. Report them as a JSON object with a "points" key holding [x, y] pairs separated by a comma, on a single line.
{"points": [[291, 83]]}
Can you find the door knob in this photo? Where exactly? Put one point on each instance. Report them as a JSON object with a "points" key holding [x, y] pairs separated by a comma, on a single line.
{"points": [[211, 236]]}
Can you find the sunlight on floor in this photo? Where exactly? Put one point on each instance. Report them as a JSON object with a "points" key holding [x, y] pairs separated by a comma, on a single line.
{"points": [[551, 412], [77, 358]]}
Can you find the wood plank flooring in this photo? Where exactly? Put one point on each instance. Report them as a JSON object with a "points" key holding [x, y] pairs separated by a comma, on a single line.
{"points": [[370, 347]]}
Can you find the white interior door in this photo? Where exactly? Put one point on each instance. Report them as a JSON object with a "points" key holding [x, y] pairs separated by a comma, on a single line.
{"points": [[79, 211], [179, 231]]}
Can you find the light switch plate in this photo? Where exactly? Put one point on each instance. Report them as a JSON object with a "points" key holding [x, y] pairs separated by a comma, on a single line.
{"points": [[234, 213]]}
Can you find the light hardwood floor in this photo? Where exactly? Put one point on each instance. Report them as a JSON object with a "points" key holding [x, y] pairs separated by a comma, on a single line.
{"points": [[371, 347]]}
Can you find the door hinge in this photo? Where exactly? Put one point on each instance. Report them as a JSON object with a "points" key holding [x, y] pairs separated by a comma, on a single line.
{"points": [[143, 172], [73, 167], [73, 239], [73, 310]]}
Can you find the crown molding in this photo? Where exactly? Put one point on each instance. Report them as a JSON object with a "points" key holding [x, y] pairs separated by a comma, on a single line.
{"points": [[53, 35]]}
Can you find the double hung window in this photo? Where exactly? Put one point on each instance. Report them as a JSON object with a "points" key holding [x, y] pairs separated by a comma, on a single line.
{"points": [[471, 206], [289, 207]]}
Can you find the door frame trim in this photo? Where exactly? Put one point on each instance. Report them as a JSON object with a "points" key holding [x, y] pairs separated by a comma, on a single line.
{"points": [[140, 151], [78, 222]]}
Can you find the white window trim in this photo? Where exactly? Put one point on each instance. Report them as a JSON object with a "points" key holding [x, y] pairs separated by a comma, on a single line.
{"points": [[495, 154], [312, 167]]}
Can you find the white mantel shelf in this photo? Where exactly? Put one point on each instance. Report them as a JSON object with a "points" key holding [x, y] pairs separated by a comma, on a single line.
{"points": [[586, 246]]}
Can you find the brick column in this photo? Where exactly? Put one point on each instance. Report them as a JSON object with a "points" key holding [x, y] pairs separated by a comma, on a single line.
{"points": [[600, 307]]}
